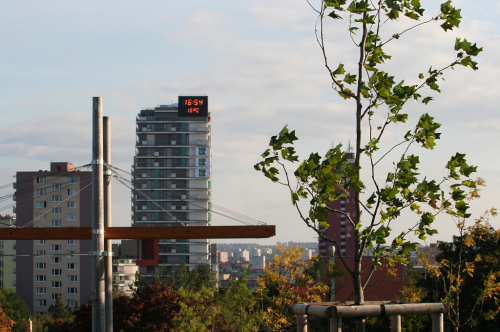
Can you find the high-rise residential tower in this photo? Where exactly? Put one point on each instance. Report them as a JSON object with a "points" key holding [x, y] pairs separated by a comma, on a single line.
{"points": [[172, 181], [340, 229], [47, 269]]}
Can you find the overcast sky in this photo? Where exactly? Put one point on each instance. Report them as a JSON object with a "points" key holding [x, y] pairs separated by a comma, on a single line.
{"points": [[260, 66]]}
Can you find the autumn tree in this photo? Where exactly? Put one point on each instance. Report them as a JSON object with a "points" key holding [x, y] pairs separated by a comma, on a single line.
{"points": [[466, 273], [15, 309], [285, 281], [6, 324], [378, 99]]}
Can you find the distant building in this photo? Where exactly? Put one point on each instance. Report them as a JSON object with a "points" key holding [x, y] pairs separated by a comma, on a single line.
{"points": [[255, 252], [340, 229], [8, 256], [427, 253], [306, 255], [245, 255], [172, 181], [384, 284], [61, 197], [258, 262], [223, 256], [124, 271]]}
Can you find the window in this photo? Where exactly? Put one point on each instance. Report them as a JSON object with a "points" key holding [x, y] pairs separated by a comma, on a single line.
{"points": [[55, 296], [40, 290], [56, 210], [72, 290], [56, 186], [41, 242], [41, 303], [40, 192], [72, 205], [56, 247], [1, 252], [41, 205], [56, 260], [72, 192], [56, 272], [71, 253], [41, 278], [41, 266], [71, 266], [40, 253], [40, 216], [72, 278], [1, 282], [72, 179], [56, 284], [56, 198], [71, 303], [72, 242], [41, 179], [72, 216], [14, 271], [56, 223], [1, 263]]}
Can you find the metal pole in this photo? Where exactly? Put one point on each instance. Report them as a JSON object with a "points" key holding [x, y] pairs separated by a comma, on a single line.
{"points": [[107, 223], [97, 219]]}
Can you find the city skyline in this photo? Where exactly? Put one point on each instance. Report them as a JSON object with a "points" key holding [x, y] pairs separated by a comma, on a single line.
{"points": [[261, 68]]}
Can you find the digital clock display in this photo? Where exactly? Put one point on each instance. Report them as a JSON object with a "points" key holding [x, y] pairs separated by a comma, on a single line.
{"points": [[193, 106]]}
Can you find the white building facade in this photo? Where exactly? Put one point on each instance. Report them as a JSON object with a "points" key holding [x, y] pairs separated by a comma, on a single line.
{"points": [[172, 182]]}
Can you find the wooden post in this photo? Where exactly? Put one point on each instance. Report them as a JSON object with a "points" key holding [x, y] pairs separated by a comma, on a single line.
{"points": [[98, 296], [301, 323], [438, 322], [335, 324], [108, 247], [395, 323]]}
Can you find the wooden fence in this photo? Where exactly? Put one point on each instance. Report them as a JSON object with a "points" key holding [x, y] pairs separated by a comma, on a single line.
{"points": [[336, 310]]}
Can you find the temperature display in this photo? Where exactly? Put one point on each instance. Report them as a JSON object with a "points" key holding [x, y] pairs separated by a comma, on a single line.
{"points": [[193, 106]]}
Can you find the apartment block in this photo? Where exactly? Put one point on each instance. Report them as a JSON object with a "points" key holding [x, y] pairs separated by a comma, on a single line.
{"points": [[172, 182], [8, 257], [60, 197], [340, 229]]}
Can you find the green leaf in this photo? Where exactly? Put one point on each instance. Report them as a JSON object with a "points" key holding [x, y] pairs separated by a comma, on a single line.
{"points": [[426, 100], [349, 79], [352, 29], [335, 16]]}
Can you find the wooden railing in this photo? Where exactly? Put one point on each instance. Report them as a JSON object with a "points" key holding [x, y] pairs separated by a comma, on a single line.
{"points": [[337, 310]]}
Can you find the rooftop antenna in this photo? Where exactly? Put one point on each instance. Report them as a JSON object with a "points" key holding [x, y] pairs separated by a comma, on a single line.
{"points": [[349, 147], [332, 145]]}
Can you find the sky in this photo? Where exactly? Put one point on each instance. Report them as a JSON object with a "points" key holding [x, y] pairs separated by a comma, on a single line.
{"points": [[259, 63]]}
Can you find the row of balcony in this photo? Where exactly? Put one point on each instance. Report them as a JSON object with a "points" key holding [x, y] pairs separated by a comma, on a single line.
{"points": [[158, 143]]}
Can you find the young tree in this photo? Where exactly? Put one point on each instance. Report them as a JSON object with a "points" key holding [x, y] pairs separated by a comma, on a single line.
{"points": [[378, 101]]}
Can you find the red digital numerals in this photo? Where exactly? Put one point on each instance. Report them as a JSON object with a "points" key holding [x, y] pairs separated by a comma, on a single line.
{"points": [[193, 110], [193, 102]]}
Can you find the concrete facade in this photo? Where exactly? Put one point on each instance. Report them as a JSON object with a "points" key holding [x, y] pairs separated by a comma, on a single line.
{"points": [[8, 257], [172, 184], [124, 271], [60, 197]]}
